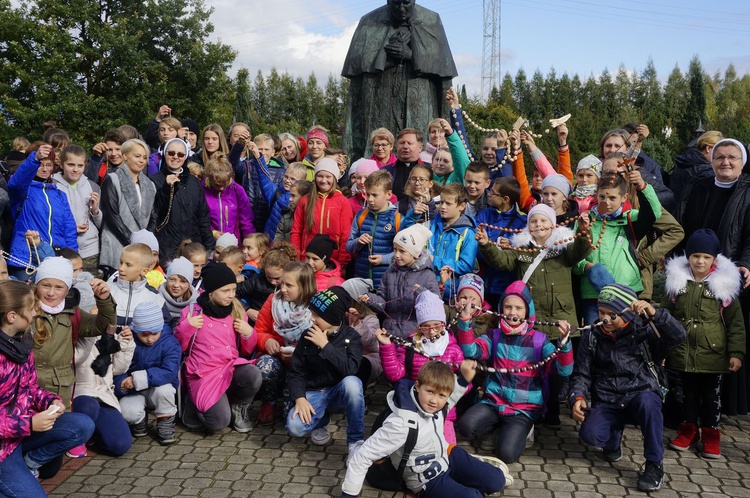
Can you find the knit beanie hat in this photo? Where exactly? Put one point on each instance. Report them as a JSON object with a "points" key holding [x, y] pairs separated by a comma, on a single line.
{"points": [[191, 125], [472, 281], [56, 267], [364, 167], [618, 298], [331, 304], [322, 246], [147, 317], [358, 286], [413, 239], [731, 141], [429, 307], [590, 162], [216, 275], [181, 266], [545, 211], [329, 165], [559, 182], [227, 239], [704, 241], [145, 237], [519, 289], [319, 134]]}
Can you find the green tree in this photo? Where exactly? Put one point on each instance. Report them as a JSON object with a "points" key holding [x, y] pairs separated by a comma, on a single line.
{"points": [[243, 97], [93, 64], [695, 111]]}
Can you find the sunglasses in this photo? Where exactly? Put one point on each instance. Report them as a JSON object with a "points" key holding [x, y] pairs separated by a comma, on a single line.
{"points": [[172, 153]]}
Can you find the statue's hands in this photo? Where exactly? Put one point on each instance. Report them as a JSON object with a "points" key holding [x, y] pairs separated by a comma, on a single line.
{"points": [[398, 45]]}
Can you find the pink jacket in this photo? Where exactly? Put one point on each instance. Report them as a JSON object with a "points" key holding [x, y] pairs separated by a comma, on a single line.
{"points": [[20, 399], [394, 359], [328, 278], [210, 363]]}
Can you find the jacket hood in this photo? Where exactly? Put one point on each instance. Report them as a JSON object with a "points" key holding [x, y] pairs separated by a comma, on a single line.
{"points": [[463, 221], [521, 290], [690, 158], [723, 282], [402, 399], [524, 239]]}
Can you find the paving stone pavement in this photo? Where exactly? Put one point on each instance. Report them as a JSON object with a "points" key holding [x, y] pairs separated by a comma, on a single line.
{"points": [[267, 462]]}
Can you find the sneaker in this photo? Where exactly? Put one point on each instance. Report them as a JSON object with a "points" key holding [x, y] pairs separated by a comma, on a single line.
{"points": [[320, 436], [530, 438], [496, 462], [487, 442], [612, 456], [652, 478], [139, 429], [77, 452], [267, 415], [241, 417], [165, 430], [711, 443], [687, 435], [35, 473]]}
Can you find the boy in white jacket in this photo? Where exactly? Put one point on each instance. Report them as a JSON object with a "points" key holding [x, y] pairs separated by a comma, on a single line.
{"points": [[434, 469]]}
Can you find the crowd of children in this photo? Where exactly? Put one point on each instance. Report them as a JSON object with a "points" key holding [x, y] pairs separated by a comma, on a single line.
{"points": [[223, 284]]}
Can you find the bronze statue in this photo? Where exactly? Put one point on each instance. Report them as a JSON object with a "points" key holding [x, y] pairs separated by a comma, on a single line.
{"points": [[400, 66]]}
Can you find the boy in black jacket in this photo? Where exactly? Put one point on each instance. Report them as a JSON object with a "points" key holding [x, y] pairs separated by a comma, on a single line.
{"points": [[323, 375], [617, 362]]}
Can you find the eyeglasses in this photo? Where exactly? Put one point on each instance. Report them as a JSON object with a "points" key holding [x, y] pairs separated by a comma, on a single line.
{"points": [[426, 329], [172, 153], [491, 193], [415, 179], [380, 145], [731, 159]]}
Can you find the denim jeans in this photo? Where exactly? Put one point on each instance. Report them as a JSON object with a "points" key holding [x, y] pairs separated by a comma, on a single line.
{"points": [[347, 396], [40, 448]]}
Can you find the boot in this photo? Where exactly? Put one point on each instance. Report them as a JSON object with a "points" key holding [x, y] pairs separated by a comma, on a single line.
{"points": [[711, 442], [687, 435], [165, 430]]}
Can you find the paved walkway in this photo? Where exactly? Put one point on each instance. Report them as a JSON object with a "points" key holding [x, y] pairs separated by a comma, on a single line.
{"points": [[268, 463]]}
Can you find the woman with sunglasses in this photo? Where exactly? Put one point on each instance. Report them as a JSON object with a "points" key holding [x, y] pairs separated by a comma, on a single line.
{"points": [[180, 209]]}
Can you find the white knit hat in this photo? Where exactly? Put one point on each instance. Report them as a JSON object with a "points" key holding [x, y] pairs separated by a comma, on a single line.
{"points": [[413, 239], [227, 239], [329, 165], [145, 237], [55, 267], [181, 266]]}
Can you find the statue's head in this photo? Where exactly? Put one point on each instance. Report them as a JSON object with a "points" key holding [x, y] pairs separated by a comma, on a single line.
{"points": [[401, 10]]}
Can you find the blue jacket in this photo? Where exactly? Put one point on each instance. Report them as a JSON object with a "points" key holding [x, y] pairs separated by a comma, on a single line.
{"points": [[274, 194], [382, 227], [454, 247], [41, 207], [248, 176], [496, 280], [154, 365]]}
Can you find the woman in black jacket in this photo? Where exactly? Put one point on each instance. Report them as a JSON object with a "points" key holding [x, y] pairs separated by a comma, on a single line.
{"points": [[180, 209]]}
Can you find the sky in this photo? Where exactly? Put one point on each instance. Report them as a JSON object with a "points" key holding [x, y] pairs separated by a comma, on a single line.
{"points": [[577, 37]]}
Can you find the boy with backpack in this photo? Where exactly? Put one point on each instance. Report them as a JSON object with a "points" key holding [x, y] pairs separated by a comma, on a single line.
{"points": [[618, 362], [412, 436]]}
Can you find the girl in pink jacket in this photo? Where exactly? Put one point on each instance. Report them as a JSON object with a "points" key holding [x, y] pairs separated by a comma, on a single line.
{"points": [[431, 338], [221, 381]]}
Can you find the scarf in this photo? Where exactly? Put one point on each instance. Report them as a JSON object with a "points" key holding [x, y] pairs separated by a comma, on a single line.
{"points": [[17, 348], [214, 310], [436, 349], [53, 310], [290, 320], [608, 217], [581, 192], [508, 329]]}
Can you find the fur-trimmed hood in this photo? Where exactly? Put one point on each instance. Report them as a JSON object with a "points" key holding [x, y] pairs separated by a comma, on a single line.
{"points": [[724, 282], [524, 239]]}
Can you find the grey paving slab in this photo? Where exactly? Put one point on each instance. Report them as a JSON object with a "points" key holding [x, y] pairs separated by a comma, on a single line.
{"points": [[267, 462]]}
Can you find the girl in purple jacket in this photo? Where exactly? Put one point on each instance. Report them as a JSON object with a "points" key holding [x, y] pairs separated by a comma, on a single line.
{"points": [[35, 429], [228, 205]]}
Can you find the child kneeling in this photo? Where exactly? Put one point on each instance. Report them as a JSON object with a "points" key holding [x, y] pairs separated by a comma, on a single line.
{"points": [[151, 381], [615, 363], [433, 468]]}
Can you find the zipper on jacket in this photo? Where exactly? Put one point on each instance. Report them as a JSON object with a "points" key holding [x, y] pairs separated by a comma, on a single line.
{"points": [[49, 216], [130, 296], [221, 215]]}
